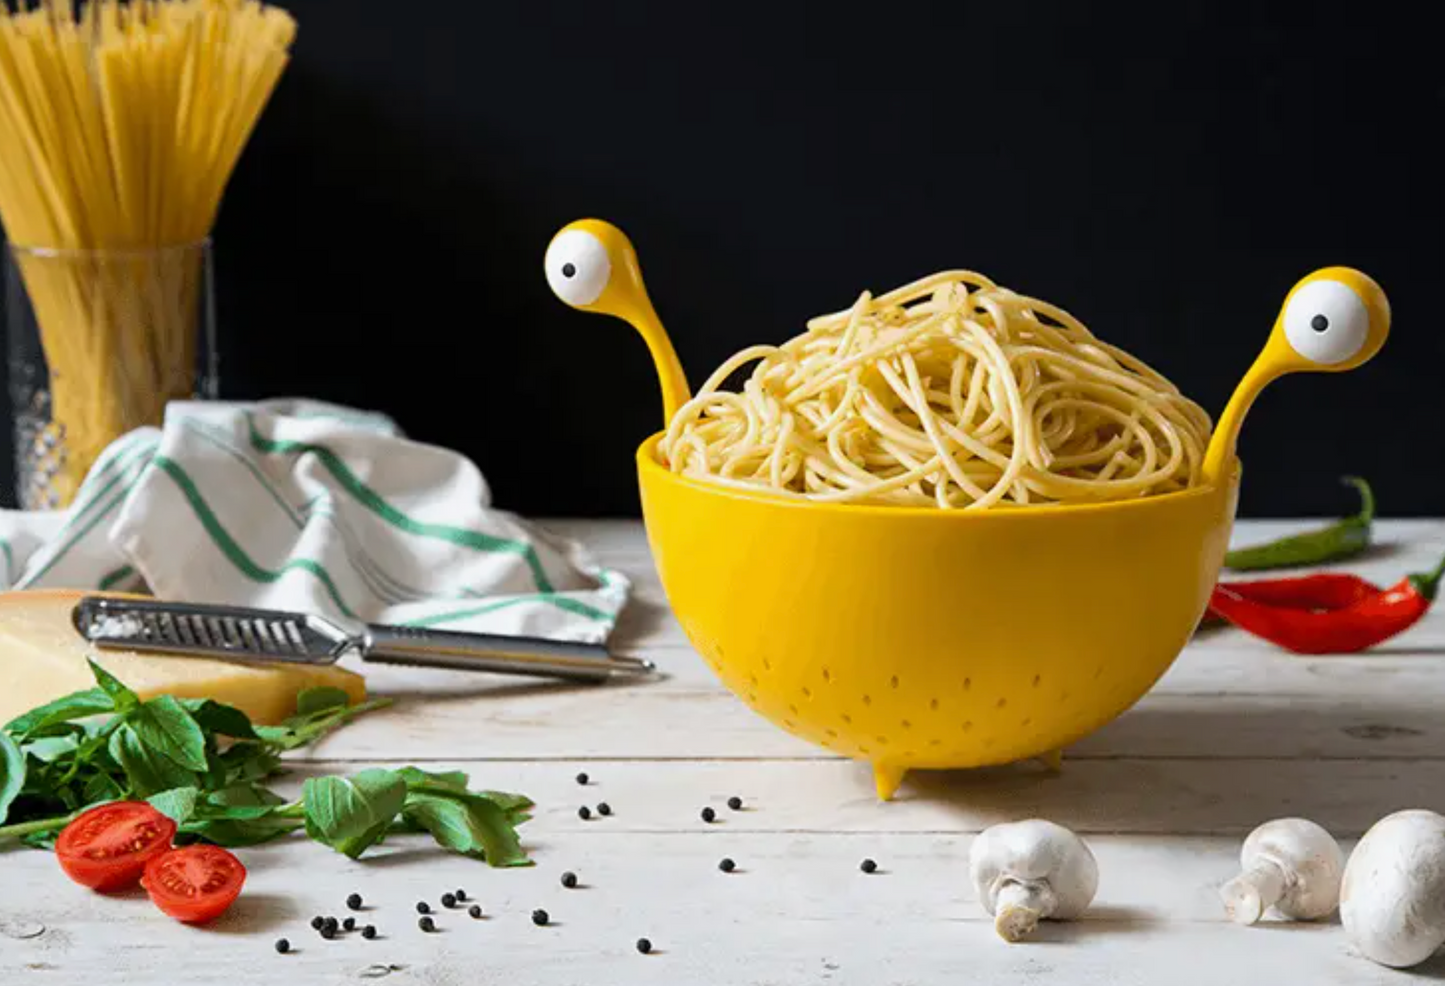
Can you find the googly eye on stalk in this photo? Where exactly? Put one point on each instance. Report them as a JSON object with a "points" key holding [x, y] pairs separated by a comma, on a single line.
{"points": [[578, 267], [1334, 319]]}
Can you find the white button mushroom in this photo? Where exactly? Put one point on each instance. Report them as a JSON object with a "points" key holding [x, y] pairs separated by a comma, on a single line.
{"points": [[1290, 863], [1392, 901], [1030, 870]]}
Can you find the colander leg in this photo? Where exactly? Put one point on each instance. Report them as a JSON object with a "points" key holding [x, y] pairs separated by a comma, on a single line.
{"points": [[887, 778], [1054, 760]]}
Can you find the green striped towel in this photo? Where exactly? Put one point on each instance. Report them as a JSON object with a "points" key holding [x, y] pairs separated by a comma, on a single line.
{"points": [[309, 506]]}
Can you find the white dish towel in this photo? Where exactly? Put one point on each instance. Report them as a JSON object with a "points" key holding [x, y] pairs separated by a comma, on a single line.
{"points": [[308, 506]]}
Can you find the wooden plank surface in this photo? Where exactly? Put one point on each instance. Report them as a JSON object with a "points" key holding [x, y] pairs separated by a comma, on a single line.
{"points": [[1235, 733]]}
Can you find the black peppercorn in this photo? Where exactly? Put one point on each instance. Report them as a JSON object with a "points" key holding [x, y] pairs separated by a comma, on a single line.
{"points": [[426, 924], [735, 803], [582, 778], [461, 895], [708, 814], [584, 813], [539, 917], [349, 924], [328, 932], [369, 932], [283, 946], [422, 907], [354, 902], [317, 922], [644, 946], [331, 925], [868, 866], [449, 900], [475, 910], [569, 879], [604, 809], [727, 865]]}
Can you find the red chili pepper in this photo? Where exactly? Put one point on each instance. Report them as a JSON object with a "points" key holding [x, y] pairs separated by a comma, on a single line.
{"points": [[1328, 614]]}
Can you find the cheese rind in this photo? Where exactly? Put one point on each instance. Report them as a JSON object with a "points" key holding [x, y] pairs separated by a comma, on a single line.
{"points": [[43, 657]]}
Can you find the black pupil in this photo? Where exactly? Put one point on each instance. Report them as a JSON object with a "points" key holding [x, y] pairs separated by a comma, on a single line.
{"points": [[1319, 323], [570, 270]]}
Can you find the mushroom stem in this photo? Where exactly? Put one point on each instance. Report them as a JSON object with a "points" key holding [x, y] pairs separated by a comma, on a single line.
{"points": [[1020, 907], [1253, 892]]}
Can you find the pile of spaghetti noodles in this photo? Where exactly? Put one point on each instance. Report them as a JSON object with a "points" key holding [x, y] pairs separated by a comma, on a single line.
{"points": [[951, 392], [121, 124]]}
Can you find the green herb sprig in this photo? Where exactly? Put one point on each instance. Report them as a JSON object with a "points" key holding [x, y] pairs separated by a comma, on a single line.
{"points": [[204, 764]]}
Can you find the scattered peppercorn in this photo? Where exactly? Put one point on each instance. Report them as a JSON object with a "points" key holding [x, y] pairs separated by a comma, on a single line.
{"points": [[317, 922], [461, 895], [584, 813], [708, 814], [868, 866], [604, 809], [426, 924], [331, 925], [582, 778], [727, 865], [539, 917], [644, 946], [422, 907], [328, 932], [354, 902], [283, 946], [569, 879], [475, 911], [369, 932], [449, 900], [349, 924], [735, 803]]}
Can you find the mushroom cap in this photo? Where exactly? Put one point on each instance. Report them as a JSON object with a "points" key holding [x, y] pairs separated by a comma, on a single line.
{"points": [[1392, 899], [1035, 851], [1310, 858]]}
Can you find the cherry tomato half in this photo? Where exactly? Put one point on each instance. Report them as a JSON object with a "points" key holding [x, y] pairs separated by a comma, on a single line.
{"points": [[107, 847], [194, 883]]}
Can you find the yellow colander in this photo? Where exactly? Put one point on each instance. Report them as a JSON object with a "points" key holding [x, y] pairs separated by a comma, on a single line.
{"points": [[924, 638]]}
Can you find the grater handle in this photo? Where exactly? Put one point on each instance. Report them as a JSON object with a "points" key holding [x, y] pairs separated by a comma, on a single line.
{"points": [[500, 654]]}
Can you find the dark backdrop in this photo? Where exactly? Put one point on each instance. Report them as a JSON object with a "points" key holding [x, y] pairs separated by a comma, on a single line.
{"points": [[1165, 171]]}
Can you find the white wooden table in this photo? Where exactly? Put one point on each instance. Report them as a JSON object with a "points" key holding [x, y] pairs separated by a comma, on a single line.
{"points": [[1236, 733]]}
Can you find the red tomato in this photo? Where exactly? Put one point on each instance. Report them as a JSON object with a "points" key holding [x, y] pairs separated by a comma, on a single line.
{"points": [[194, 883], [107, 847]]}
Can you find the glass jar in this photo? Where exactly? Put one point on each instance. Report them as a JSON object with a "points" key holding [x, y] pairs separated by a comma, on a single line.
{"points": [[99, 342]]}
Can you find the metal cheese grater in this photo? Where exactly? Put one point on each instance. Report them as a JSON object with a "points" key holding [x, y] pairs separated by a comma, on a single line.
{"points": [[239, 633]]}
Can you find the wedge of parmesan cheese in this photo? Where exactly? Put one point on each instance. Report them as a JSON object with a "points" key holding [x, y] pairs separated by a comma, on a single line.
{"points": [[43, 656]]}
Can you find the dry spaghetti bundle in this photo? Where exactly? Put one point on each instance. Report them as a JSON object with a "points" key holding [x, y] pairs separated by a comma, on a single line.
{"points": [[951, 392], [122, 124]]}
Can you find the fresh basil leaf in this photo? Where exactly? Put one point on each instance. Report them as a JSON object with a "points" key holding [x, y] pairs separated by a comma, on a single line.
{"points": [[166, 727], [313, 700], [76, 705], [300, 731], [147, 771], [510, 803], [101, 787], [122, 698], [248, 761], [472, 826], [353, 846], [12, 773], [242, 796], [342, 808], [48, 749], [451, 779], [217, 717], [177, 804], [238, 833]]}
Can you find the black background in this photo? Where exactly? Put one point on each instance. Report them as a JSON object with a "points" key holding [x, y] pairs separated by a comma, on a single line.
{"points": [[1166, 172]]}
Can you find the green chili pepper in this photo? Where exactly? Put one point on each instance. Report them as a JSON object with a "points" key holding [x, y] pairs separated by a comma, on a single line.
{"points": [[1345, 537]]}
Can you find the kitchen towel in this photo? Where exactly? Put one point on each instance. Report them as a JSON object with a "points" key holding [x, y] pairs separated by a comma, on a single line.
{"points": [[309, 506]]}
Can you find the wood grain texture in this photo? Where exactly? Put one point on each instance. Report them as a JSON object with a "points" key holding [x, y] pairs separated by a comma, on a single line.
{"points": [[1236, 732]]}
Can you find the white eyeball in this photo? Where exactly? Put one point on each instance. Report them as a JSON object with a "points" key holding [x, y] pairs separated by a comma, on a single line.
{"points": [[578, 267], [1326, 322]]}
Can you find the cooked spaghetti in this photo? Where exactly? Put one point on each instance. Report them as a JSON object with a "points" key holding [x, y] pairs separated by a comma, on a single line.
{"points": [[951, 392], [122, 124]]}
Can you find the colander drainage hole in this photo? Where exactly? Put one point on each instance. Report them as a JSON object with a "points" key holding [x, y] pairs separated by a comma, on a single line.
{"points": [[827, 675], [847, 719], [1037, 679], [767, 664], [807, 692], [1026, 724], [893, 681], [967, 725], [831, 733], [1002, 702], [906, 724], [933, 705], [867, 700], [793, 709], [967, 684]]}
